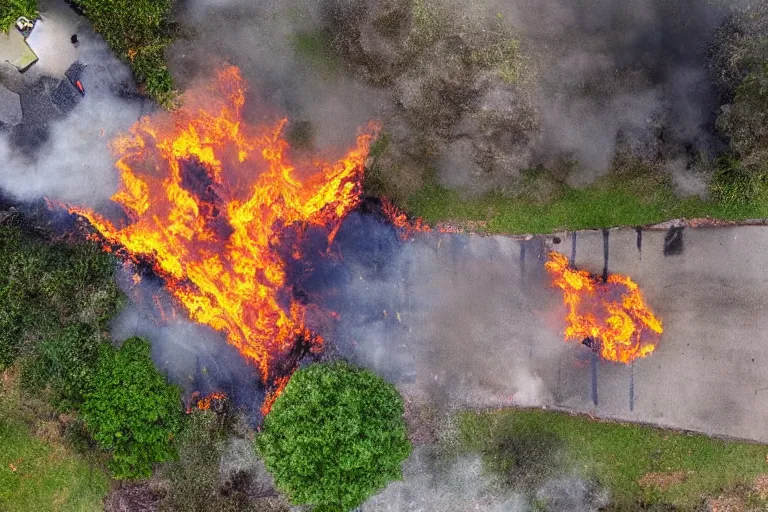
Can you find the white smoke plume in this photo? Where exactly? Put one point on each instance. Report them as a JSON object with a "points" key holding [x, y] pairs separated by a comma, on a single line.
{"points": [[465, 485], [601, 77], [64, 154]]}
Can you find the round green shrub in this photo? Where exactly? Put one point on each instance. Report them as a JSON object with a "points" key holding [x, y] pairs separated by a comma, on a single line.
{"points": [[335, 436], [132, 410]]}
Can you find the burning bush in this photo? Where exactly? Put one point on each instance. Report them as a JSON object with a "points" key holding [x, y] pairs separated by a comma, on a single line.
{"points": [[335, 436], [131, 410], [219, 207]]}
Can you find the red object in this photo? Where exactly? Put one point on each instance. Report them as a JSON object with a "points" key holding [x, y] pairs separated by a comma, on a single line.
{"points": [[80, 86]]}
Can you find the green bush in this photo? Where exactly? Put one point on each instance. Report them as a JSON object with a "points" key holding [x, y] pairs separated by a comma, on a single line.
{"points": [[734, 185], [47, 288], [740, 69], [66, 361], [11, 10], [334, 436], [138, 31], [132, 410]]}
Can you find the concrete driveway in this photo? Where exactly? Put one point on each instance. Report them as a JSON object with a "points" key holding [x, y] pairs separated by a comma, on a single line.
{"points": [[473, 320]]}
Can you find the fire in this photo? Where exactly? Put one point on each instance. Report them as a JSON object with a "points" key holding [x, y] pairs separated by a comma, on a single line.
{"points": [[212, 200], [406, 227], [611, 316], [204, 403]]}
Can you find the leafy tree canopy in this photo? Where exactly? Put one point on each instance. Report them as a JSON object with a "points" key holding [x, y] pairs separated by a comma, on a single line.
{"points": [[132, 410], [334, 436]]}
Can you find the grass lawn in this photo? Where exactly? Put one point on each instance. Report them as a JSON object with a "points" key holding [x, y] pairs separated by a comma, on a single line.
{"points": [[40, 473], [612, 201], [46, 477], [618, 455]]}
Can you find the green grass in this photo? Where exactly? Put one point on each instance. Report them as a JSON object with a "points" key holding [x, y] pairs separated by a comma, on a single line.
{"points": [[637, 200], [618, 455], [47, 477], [48, 474], [10, 10]]}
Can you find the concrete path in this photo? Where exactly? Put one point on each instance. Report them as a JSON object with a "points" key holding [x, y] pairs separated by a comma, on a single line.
{"points": [[475, 320]]}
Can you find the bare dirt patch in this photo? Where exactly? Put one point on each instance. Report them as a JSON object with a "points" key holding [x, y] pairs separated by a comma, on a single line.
{"points": [[663, 480], [726, 504], [132, 497], [422, 421], [760, 485]]}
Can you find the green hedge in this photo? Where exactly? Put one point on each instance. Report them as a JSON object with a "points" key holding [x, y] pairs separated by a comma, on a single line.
{"points": [[11, 10], [138, 31], [53, 291]]}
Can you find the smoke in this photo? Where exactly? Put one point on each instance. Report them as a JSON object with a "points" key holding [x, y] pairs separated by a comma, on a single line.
{"points": [[60, 150], [442, 316], [430, 484], [459, 487], [596, 79], [262, 39], [631, 72], [193, 356]]}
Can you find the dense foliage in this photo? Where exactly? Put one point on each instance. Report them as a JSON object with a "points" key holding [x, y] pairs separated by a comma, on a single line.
{"points": [[334, 436], [11, 10], [138, 31], [131, 409], [55, 302], [740, 65]]}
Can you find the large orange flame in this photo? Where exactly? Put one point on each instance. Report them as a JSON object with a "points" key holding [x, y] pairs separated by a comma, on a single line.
{"points": [[610, 314], [209, 199]]}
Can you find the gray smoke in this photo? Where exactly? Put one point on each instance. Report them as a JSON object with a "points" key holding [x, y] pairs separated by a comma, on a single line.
{"points": [[449, 318], [61, 150], [260, 40], [621, 72], [461, 486], [431, 485], [594, 79], [193, 356]]}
